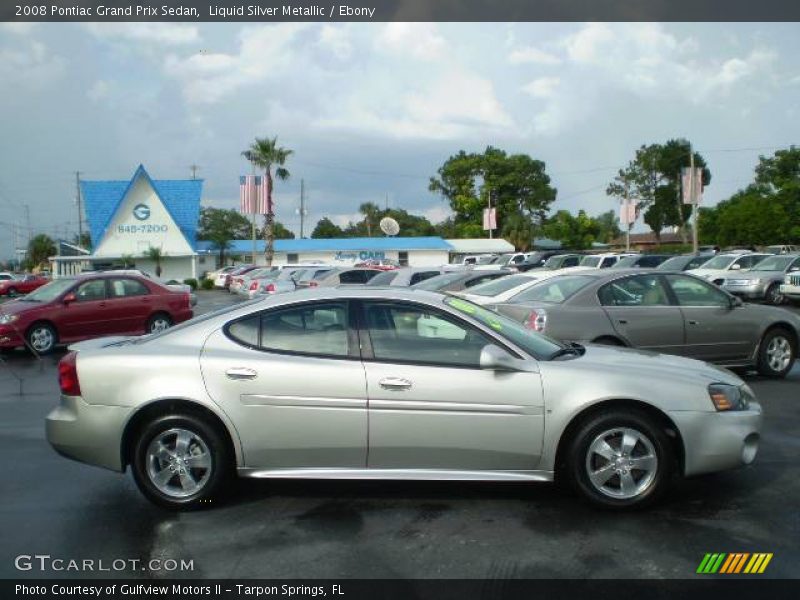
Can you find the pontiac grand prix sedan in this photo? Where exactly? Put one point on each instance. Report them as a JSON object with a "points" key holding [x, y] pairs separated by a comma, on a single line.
{"points": [[368, 383]]}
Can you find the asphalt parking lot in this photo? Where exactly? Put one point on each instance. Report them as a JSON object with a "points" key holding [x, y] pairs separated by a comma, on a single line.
{"points": [[289, 529]]}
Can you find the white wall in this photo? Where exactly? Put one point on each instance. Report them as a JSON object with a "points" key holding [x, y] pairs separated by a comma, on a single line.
{"points": [[128, 235], [176, 267]]}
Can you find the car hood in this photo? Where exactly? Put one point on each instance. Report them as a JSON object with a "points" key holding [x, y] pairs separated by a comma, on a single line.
{"points": [[652, 365], [13, 307]]}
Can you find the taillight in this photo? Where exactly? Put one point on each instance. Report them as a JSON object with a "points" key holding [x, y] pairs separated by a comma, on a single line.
{"points": [[312, 284], [68, 375], [254, 286], [537, 319], [270, 289], [188, 297]]}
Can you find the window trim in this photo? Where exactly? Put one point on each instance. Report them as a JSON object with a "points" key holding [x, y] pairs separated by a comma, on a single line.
{"points": [[368, 353], [353, 345]]}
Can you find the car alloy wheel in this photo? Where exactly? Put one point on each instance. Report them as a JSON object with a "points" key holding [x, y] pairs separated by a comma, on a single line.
{"points": [[159, 323], [179, 463], [776, 353], [774, 295], [621, 463], [42, 338], [779, 353]]}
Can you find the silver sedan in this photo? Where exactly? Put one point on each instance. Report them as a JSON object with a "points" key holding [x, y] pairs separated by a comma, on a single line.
{"points": [[367, 383]]}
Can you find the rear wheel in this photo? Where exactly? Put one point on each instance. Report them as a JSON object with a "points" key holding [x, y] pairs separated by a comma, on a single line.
{"points": [[12, 292], [42, 338], [774, 295], [180, 461], [776, 353], [158, 322], [620, 459]]}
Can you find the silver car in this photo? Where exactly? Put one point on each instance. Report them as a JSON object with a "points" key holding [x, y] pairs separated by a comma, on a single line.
{"points": [[670, 312], [363, 383], [763, 282]]}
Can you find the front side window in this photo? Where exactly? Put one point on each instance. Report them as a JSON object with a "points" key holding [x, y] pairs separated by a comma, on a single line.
{"points": [[608, 261], [718, 263], [91, 290], [693, 292], [641, 290], [775, 263], [406, 333]]}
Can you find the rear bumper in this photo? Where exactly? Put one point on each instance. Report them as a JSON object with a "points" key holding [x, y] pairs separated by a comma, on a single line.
{"points": [[717, 441], [88, 433]]}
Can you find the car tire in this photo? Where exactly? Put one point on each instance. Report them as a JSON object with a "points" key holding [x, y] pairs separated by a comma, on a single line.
{"points": [[12, 292], [181, 462], [774, 296], [609, 481], [777, 353], [609, 341], [158, 322], [42, 337]]}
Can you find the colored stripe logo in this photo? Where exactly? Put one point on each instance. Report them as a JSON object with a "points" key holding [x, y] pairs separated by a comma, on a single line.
{"points": [[734, 563]]}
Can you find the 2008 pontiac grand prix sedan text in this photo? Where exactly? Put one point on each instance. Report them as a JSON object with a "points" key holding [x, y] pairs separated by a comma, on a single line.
{"points": [[400, 384]]}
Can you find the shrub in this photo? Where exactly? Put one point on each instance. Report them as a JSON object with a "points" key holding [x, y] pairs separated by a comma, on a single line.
{"points": [[191, 282], [207, 284]]}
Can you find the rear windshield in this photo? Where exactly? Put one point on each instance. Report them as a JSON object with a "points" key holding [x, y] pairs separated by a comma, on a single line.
{"points": [[384, 278], [436, 283], [554, 291], [498, 286]]}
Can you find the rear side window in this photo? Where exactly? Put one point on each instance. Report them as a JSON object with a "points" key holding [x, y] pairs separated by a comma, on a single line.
{"points": [[314, 329], [501, 285], [555, 290], [121, 288], [353, 277], [417, 277], [384, 278], [483, 279]]}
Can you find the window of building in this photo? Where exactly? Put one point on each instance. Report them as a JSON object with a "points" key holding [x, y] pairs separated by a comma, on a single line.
{"points": [[402, 258], [292, 258]]}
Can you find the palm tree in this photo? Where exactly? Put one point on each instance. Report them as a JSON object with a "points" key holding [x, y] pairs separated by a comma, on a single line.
{"points": [[154, 253], [266, 153], [127, 260], [371, 212]]}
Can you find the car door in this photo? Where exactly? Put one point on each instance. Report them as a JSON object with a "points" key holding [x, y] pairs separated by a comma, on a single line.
{"points": [[431, 406], [642, 313], [716, 329], [292, 380], [129, 305], [86, 316]]}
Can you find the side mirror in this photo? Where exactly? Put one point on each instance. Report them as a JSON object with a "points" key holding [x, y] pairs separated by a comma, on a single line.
{"points": [[736, 267], [736, 301], [494, 358], [69, 298]]}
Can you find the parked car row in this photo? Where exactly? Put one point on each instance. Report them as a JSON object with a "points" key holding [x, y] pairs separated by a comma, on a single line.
{"points": [[14, 285]]}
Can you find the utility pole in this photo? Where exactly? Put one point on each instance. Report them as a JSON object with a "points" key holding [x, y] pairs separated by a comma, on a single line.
{"points": [[693, 196], [28, 223], [387, 201], [255, 205], [302, 209], [194, 169], [627, 212], [80, 211], [489, 200]]}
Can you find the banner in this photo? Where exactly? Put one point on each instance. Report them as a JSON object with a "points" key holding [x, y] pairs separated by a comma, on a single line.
{"points": [[692, 187], [489, 219]]}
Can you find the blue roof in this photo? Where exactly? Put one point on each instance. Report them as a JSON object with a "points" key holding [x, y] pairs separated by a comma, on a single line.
{"points": [[180, 197], [336, 244]]}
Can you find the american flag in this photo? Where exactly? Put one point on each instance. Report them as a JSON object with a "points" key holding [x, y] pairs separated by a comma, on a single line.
{"points": [[248, 188], [263, 197]]}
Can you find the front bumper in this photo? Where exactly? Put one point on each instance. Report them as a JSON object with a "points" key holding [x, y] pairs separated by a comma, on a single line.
{"points": [[792, 291], [89, 433], [752, 291], [10, 337], [717, 441]]}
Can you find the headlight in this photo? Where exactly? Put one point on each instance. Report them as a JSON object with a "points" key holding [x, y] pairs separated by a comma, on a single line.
{"points": [[6, 319], [726, 397]]}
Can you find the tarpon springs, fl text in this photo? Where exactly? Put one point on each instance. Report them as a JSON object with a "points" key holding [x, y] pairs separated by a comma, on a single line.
{"points": [[213, 11]]}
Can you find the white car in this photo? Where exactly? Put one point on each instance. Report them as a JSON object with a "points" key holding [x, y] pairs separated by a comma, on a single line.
{"points": [[505, 288], [720, 267], [218, 277], [604, 260]]}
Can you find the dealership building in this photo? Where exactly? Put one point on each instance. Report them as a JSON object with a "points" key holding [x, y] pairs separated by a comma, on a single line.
{"points": [[127, 218]]}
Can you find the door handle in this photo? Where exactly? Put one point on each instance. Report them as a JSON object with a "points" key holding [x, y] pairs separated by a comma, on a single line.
{"points": [[622, 321], [694, 322], [241, 373], [395, 383]]}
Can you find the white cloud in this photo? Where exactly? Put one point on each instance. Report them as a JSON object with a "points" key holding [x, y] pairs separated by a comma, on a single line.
{"points": [[531, 55], [170, 34], [21, 28], [544, 87], [420, 40], [30, 64], [99, 91], [335, 39]]}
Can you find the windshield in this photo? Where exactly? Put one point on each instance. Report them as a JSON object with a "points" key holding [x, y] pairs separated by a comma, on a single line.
{"points": [[535, 344], [590, 261], [434, 284], [720, 262], [554, 291], [50, 291], [498, 286], [774, 263]]}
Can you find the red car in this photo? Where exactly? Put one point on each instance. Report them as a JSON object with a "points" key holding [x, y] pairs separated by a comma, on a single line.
{"points": [[22, 285], [77, 308]]}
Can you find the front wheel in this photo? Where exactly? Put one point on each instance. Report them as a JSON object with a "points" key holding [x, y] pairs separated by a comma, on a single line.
{"points": [[42, 338], [12, 292], [180, 462], [774, 295], [776, 353], [620, 459]]}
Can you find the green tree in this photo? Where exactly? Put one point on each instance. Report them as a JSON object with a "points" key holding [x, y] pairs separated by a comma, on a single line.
{"points": [[326, 229], [155, 254], [517, 185], [519, 231], [83, 241], [574, 232], [372, 214], [652, 178], [40, 248], [220, 226], [608, 226], [127, 260], [266, 154]]}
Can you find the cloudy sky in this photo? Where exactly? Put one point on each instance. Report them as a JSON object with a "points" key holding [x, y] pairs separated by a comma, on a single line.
{"points": [[372, 110]]}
